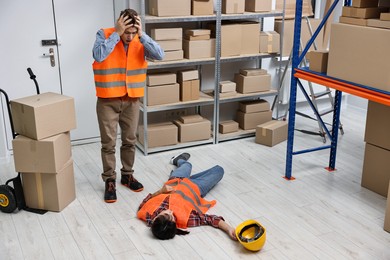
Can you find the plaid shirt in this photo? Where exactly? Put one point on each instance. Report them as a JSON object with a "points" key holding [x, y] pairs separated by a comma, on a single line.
{"points": [[196, 219]]}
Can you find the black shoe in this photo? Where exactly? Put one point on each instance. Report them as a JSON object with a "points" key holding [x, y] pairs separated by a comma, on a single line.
{"points": [[131, 182], [183, 156], [110, 192]]}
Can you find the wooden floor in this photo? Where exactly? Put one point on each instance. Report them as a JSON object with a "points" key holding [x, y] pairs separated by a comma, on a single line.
{"points": [[320, 215]]}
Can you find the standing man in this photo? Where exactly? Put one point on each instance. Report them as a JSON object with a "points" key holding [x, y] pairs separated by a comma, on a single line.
{"points": [[120, 73]]}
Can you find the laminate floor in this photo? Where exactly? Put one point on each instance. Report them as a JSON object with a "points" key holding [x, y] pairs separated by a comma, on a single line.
{"points": [[320, 215]]}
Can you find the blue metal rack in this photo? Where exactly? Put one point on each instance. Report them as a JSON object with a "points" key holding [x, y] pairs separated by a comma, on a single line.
{"points": [[322, 79]]}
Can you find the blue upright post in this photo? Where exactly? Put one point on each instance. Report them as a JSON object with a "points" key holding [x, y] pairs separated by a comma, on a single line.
{"points": [[335, 130], [293, 89]]}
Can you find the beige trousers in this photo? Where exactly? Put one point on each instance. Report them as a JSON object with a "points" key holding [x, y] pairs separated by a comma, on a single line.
{"points": [[111, 112]]}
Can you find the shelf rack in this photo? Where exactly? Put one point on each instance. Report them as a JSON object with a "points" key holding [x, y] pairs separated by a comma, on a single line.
{"points": [[340, 86]]}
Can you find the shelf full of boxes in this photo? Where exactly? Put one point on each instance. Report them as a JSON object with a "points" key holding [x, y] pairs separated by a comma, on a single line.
{"points": [[180, 108]]}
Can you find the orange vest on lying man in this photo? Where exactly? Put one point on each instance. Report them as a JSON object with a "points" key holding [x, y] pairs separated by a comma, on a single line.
{"points": [[120, 74], [182, 200]]}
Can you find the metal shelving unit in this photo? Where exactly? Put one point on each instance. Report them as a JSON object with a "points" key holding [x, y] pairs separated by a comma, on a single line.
{"points": [[204, 100], [322, 79]]}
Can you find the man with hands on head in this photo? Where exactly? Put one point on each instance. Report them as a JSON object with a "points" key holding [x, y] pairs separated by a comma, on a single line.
{"points": [[119, 70]]}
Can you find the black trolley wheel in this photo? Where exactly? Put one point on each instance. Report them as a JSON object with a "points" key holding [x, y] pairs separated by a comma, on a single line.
{"points": [[7, 199]]}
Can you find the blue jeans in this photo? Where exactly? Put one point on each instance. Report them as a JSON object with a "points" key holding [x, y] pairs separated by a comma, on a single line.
{"points": [[205, 180]]}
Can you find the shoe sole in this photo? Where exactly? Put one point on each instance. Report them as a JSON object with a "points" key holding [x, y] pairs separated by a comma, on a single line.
{"points": [[109, 201], [132, 189]]}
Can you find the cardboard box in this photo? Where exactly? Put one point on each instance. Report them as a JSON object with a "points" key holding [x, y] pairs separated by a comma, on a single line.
{"points": [[365, 3], [318, 61], [354, 21], [191, 119], [253, 72], [250, 84], [43, 115], [387, 213], [258, 5], [249, 40], [159, 34], [376, 169], [233, 6], [378, 125], [184, 75], [170, 7], [385, 16], [252, 106], [164, 94], [50, 191], [251, 120], [199, 49], [202, 7], [227, 86], [194, 131], [367, 48], [229, 126], [171, 45], [189, 90], [173, 55], [307, 9], [368, 12], [161, 134], [197, 38], [47, 155], [163, 78], [269, 42], [378, 23], [271, 133], [197, 32]]}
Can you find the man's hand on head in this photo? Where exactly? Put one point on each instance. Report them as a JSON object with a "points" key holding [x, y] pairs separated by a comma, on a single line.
{"points": [[123, 23], [138, 25]]}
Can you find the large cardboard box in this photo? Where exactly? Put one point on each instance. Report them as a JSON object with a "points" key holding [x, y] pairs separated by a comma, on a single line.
{"points": [[251, 120], [360, 54], [231, 40], [50, 191], [170, 7], [189, 90], [387, 213], [199, 49], [249, 84], [269, 42], [249, 40], [171, 45], [378, 125], [194, 131], [271, 133], [229, 126], [161, 134], [254, 106], [159, 34], [376, 169], [318, 61], [163, 94], [43, 115], [202, 7], [47, 155], [365, 3], [258, 5], [162, 78], [233, 6], [307, 9]]}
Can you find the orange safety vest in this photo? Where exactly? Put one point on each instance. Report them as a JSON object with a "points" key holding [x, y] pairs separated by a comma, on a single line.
{"points": [[182, 200], [120, 74]]}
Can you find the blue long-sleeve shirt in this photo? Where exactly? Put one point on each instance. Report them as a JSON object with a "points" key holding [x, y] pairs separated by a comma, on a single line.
{"points": [[103, 47]]}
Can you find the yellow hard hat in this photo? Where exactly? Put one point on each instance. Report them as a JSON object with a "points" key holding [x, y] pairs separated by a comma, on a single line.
{"points": [[251, 235]]}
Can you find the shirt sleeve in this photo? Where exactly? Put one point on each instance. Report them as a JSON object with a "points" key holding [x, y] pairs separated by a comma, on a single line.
{"points": [[197, 219], [152, 49], [103, 47]]}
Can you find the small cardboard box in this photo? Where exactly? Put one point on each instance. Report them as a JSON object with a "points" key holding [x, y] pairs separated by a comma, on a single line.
{"points": [[197, 38], [163, 78], [161, 134], [163, 94], [250, 84], [170, 7], [159, 34], [197, 32], [376, 169], [385, 17], [227, 86], [173, 55], [50, 191], [47, 155], [258, 5], [354, 21], [43, 115], [189, 90], [365, 3], [229, 126], [363, 13], [252, 106], [318, 61], [378, 23], [253, 72], [171, 45], [251, 120], [387, 213], [184, 75], [191, 119], [378, 125], [249, 37], [194, 131], [269, 42], [202, 7], [271, 133], [199, 49], [233, 6]]}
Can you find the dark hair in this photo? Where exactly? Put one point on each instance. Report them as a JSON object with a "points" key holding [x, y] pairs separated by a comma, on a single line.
{"points": [[163, 229], [131, 14]]}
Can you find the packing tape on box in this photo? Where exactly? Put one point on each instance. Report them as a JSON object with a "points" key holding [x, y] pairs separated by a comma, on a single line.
{"points": [[38, 182]]}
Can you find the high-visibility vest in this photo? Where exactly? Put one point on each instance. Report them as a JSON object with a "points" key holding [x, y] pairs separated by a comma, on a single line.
{"points": [[119, 73], [184, 198]]}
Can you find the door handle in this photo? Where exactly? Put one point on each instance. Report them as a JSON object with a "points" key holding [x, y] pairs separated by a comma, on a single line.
{"points": [[51, 55]]}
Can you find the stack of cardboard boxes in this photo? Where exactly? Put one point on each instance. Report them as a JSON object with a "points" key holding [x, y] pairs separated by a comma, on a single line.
{"points": [[227, 88], [170, 39], [252, 80], [360, 12], [253, 113], [42, 150], [162, 88], [198, 44], [189, 84]]}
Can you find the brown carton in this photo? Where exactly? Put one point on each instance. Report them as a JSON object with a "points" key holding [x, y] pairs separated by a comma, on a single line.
{"points": [[251, 120], [271, 133], [199, 49], [170, 7], [161, 134], [269, 42], [159, 34], [202, 7], [171, 45], [318, 61], [163, 94], [378, 125], [250, 84], [378, 23], [189, 90], [365, 3], [227, 86], [351, 20], [253, 72], [258, 5], [229, 126], [194, 131], [197, 32], [163, 78], [249, 40], [184, 75], [191, 119], [173, 55], [252, 106], [233, 6]]}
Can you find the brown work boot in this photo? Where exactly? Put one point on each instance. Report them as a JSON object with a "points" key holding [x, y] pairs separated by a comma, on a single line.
{"points": [[131, 182], [110, 192]]}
